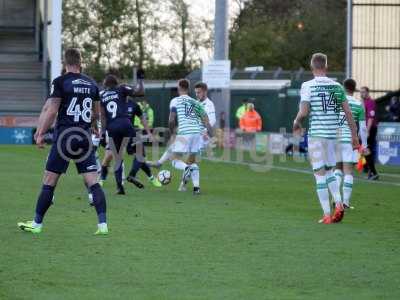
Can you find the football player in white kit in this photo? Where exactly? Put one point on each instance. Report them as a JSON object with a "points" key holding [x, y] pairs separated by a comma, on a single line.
{"points": [[201, 90], [346, 157], [187, 120]]}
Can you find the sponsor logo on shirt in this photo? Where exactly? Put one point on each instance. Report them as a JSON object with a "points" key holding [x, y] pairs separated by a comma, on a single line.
{"points": [[81, 81], [107, 93]]}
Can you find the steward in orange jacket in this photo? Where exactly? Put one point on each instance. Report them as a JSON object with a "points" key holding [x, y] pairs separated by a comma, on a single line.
{"points": [[251, 121]]}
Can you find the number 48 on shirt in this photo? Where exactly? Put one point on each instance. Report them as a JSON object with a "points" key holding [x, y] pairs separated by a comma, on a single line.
{"points": [[74, 109]]}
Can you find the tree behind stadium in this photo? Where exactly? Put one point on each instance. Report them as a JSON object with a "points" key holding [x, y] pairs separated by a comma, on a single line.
{"points": [[117, 35], [283, 33]]}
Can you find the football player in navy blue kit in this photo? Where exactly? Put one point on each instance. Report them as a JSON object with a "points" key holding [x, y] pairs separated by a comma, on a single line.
{"points": [[137, 148], [74, 102], [115, 119]]}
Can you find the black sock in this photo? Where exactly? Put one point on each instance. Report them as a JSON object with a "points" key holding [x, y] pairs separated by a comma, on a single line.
{"points": [[145, 167], [118, 175], [99, 202], [371, 164], [136, 165], [104, 172], [43, 203]]}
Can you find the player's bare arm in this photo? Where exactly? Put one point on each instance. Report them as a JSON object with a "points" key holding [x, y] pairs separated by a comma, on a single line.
{"points": [[138, 90], [172, 122], [206, 123], [46, 119], [97, 115], [146, 128], [103, 119], [352, 124], [145, 125], [304, 110], [41, 116], [362, 125]]}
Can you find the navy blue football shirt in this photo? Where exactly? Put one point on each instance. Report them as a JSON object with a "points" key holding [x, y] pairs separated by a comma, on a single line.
{"points": [[78, 93], [114, 101]]}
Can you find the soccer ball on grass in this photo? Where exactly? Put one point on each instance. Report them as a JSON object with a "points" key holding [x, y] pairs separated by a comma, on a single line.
{"points": [[164, 176]]}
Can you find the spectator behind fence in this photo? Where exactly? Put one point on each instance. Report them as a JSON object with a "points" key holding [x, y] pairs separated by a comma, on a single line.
{"points": [[220, 131], [372, 128], [148, 114], [393, 109], [250, 121], [241, 110]]}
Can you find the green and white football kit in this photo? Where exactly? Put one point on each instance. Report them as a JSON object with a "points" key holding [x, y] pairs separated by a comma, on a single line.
{"points": [[189, 113], [325, 97]]}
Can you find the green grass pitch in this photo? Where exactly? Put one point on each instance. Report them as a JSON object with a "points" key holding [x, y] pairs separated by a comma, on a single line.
{"points": [[250, 235]]}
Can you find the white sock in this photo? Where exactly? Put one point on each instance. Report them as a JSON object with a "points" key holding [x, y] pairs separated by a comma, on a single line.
{"points": [[347, 188], [102, 225], [178, 164], [323, 193], [333, 186], [123, 173], [195, 174], [36, 225], [339, 176], [166, 156]]}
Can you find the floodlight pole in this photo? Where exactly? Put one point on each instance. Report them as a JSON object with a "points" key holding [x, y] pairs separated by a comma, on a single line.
{"points": [[221, 47], [349, 39], [56, 34], [221, 97], [45, 29]]}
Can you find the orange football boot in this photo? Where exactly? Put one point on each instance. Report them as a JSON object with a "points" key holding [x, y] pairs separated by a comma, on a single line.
{"points": [[338, 214], [327, 219]]}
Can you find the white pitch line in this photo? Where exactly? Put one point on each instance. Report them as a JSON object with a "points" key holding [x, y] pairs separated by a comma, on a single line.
{"points": [[390, 175], [292, 170]]}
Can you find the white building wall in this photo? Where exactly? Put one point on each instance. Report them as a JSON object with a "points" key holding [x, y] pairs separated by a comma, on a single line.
{"points": [[376, 45], [54, 34]]}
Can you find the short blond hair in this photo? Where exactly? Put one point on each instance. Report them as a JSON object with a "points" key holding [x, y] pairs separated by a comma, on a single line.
{"points": [[319, 61]]}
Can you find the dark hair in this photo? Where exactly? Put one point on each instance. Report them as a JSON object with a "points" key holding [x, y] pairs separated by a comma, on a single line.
{"points": [[183, 84], [110, 81], [201, 85], [245, 100], [350, 85], [73, 57], [365, 88]]}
